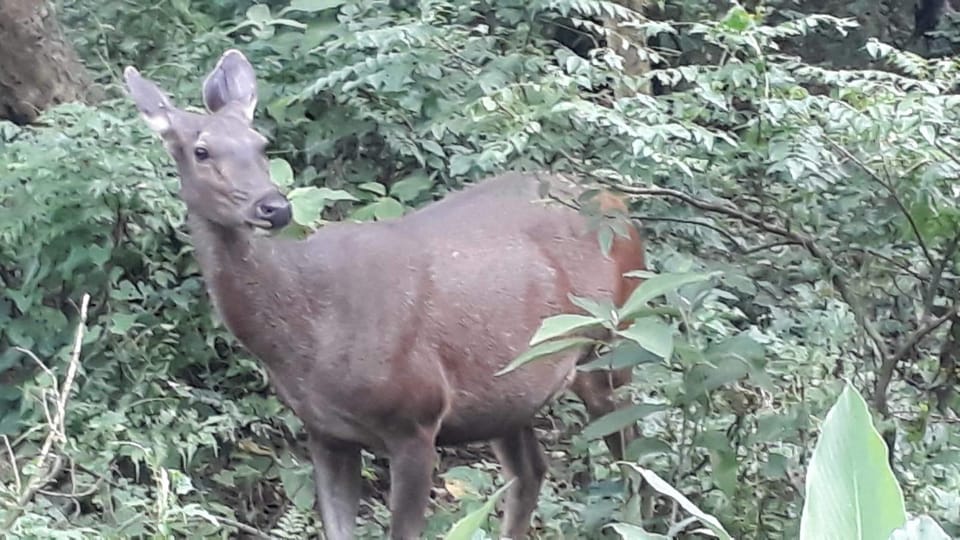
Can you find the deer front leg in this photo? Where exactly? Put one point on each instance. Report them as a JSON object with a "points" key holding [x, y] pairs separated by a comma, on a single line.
{"points": [[336, 472], [412, 458]]}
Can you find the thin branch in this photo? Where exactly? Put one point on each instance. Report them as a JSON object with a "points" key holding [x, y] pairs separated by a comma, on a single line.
{"points": [[893, 193], [726, 234], [889, 365], [948, 252], [57, 433], [899, 265], [13, 463], [807, 242]]}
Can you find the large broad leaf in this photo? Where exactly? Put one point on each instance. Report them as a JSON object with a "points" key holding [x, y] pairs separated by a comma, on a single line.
{"points": [[559, 325], [851, 493], [468, 525], [920, 528], [655, 286], [619, 419], [712, 524], [544, 349], [625, 354], [651, 334]]}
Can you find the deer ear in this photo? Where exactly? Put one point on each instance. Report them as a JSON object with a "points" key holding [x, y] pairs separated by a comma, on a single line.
{"points": [[231, 81], [153, 105]]}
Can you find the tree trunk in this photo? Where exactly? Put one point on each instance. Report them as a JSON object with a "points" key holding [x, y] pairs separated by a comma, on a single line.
{"points": [[38, 67], [618, 36]]}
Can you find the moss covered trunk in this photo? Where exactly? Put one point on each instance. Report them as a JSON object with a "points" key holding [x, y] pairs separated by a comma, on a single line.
{"points": [[38, 67]]}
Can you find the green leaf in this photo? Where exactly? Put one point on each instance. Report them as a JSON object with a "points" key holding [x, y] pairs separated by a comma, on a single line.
{"points": [[467, 526], [655, 286], [633, 532], [298, 485], [920, 528], [619, 419], [624, 354], [651, 334], [121, 323], [738, 19], [374, 187], [315, 5], [308, 202], [601, 309], [851, 493], [411, 187], [544, 349], [259, 13], [559, 325], [662, 487], [387, 208], [643, 446], [280, 172]]}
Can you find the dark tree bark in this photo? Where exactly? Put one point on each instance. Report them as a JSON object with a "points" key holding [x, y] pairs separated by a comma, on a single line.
{"points": [[38, 67]]}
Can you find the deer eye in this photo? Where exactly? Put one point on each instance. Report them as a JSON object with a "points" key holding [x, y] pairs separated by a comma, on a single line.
{"points": [[201, 153]]}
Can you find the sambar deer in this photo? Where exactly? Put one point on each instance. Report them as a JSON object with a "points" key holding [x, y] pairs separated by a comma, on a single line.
{"points": [[389, 335]]}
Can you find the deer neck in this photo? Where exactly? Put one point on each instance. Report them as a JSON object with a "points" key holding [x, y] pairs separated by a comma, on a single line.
{"points": [[257, 286]]}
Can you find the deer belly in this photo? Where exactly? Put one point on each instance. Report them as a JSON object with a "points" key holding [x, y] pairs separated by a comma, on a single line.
{"points": [[506, 403]]}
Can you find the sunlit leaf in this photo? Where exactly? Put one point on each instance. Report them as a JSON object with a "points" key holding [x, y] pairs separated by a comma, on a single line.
{"points": [[559, 325], [851, 493], [470, 524], [651, 334], [545, 349]]}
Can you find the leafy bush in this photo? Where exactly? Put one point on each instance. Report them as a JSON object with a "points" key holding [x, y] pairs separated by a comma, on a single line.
{"points": [[820, 199]]}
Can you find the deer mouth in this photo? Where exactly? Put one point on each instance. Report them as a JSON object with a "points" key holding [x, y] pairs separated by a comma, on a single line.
{"points": [[272, 212]]}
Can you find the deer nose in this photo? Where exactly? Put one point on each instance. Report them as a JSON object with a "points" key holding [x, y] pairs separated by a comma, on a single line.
{"points": [[274, 209]]}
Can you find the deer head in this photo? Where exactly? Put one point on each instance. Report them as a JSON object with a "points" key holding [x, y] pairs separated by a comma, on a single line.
{"points": [[225, 177]]}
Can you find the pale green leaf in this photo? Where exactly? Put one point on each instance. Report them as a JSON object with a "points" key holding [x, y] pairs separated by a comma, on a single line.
{"points": [[544, 349], [467, 526], [280, 172], [655, 286], [620, 418], [633, 532], [920, 528], [664, 488], [651, 334], [411, 187], [851, 493], [387, 208], [559, 325], [309, 202], [315, 5]]}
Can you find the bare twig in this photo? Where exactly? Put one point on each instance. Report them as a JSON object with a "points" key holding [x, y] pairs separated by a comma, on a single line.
{"points": [[57, 432], [13, 463]]}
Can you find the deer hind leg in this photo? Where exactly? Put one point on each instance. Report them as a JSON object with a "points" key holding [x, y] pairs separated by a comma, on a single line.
{"points": [[336, 472], [523, 461], [412, 458], [596, 389]]}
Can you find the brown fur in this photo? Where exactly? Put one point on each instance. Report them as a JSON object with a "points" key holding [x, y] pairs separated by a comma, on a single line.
{"points": [[388, 335]]}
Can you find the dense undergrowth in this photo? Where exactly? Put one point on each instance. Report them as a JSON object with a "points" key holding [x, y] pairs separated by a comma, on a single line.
{"points": [[823, 198]]}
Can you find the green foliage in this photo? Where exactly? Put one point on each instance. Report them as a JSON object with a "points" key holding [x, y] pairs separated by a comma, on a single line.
{"points": [[851, 491], [801, 223]]}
